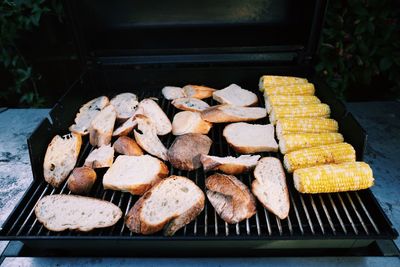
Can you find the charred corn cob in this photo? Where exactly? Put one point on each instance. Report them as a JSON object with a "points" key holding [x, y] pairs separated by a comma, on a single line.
{"points": [[331, 178], [291, 89], [272, 80], [293, 142], [284, 100], [314, 156], [299, 111], [305, 125]]}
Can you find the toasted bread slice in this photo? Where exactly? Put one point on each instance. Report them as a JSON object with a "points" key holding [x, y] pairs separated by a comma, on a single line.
{"points": [[189, 122], [61, 156], [81, 180], [101, 157], [126, 127], [190, 104], [125, 105], [171, 204], [127, 146], [198, 91], [102, 126], [229, 165], [172, 92], [229, 113], [152, 110], [236, 96]]}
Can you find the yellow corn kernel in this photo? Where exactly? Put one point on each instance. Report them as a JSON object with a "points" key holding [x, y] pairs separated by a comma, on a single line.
{"points": [[299, 111], [314, 156], [349, 176], [285, 100], [305, 125], [272, 80], [291, 89], [293, 142]]}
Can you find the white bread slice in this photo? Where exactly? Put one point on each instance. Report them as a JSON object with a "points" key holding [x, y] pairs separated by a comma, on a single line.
{"points": [[190, 104], [152, 110], [127, 146], [189, 122], [126, 127], [172, 92], [102, 126], [229, 113], [171, 204], [198, 91], [270, 186], [236, 96], [62, 212], [125, 105], [87, 113], [134, 174], [147, 138], [250, 138], [229, 165], [61, 156], [101, 157], [230, 198]]}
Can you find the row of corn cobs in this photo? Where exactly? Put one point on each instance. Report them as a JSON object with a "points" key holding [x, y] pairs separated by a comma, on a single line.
{"points": [[316, 154]]}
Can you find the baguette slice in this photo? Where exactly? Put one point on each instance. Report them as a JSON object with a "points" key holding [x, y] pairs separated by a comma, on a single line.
{"points": [[228, 113], [270, 186], [61, 212], [87, 113], [230, 198], [147, 138], [189, 122], [126, 127], [125, 105], [229, 165], [236, 96], [127, 146], [171, 204], [102, 126], [198, 91], [173, 92], [152, 110], [101, 157], [81, 180], [134, 174], [61, 156], [250, 138], [190, 104]]}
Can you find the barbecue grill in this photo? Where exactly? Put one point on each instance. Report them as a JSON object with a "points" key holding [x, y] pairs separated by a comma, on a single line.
{"points": [[121, 51]]}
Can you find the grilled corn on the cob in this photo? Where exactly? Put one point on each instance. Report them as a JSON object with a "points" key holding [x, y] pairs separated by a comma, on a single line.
{"points": [[291, 89], [293, 142], [305, 125], [284, 100], [273, 80], [299, 111]]}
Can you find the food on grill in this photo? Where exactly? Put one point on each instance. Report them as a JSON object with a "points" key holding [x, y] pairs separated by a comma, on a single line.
{"points": [[60, 158], [101, 128], [127, 146], [125, 105], [126, 127], [231, 199], [101, 157], [198, 91], [87, 113], [172, 92], [61, 212], [190, 104], [236, 96], [152, 110], [331, 178], [289, 100], [299, 111], [185, 151], [228, 113], [274, 80], [250, 138], [170, 204], [229, 165], [270, 186], [293, 142], [146, 137], [81, 180], [292, 89], [134, 174], [189, 122], [305, 125]]}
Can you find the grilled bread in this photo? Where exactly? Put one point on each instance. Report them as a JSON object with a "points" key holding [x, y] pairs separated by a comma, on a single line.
{"points": [[236, 96], [101, 157], [126, 127], [198, 91], [189, 122], [125, 105], [190, 104], [229, 165], [152, 110], [127, 146], [172, 92], [229, 113], [81, 180], [102, 126]]}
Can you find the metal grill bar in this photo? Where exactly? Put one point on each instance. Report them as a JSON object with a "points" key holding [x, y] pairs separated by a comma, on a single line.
{"points": [[267, 220], [327, 214], [347, 214], [278, 222], [307, 215], [297, 214], [367, 213], [358, 214], [317, 214], [337, 214]]}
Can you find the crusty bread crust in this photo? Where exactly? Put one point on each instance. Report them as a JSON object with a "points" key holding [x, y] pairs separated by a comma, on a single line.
{"points": [[229, 168], [81, 180], [198, 91], [127, 146], [185, 122], [100, 132], [218, 114]]}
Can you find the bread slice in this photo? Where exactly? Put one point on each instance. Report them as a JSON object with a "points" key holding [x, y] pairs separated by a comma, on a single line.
{"points": [[198, 91], [134, 174], [229, 165], [146, 137], [250, 138], [236, 96], [171, 204], [185, 151], [270, 186], [81, 180], [102, 126], [229, 113], [190, 103], [87, 113], [61, 212], [230, 198], [125, 105], [189, 122], [101, 157], [152, 110], [127, 146], [126, 127], [172, 92], [61, 156]]}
